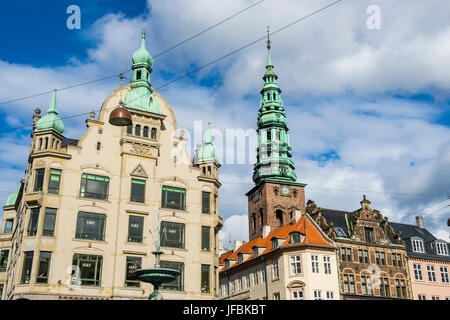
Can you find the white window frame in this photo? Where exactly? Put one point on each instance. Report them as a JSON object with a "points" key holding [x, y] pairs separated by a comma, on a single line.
{"points": [[275, 271], [441, 248], [327, 264], [417, 245], [317, 294], [298, 295], [315, 263], [444, 274], [417, 268], [296, 265], [431, 272], [330, 295]]}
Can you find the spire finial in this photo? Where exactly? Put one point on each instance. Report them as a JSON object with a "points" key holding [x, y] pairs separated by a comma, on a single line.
{"points": [[268, 38], [52, 107]]}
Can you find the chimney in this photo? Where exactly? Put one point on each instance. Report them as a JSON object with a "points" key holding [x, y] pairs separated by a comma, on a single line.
{"points": [[265, 231], [419, 222], [296, 214]]}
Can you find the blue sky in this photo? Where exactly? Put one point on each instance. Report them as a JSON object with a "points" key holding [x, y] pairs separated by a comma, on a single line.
{"points": [[368, 110]]}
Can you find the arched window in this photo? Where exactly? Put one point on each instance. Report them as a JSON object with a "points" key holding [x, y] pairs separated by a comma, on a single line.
{"points": [[279, 218], [138, 75], [145, 132], [40, 143], [209, 170], [261, 216], [254, 221], [268, 96], [46, 143], [269, 135], [274, 96], [137, 130], [129, 129], [153, 133]]}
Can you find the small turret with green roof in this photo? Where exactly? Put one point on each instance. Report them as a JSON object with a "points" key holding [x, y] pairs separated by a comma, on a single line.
{"points": [[51, 121], [207, 152], [13, 197], [140, 97]]}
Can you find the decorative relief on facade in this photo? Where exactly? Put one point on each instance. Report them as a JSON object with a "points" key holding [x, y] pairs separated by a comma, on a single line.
{"points": [[139, 172]]}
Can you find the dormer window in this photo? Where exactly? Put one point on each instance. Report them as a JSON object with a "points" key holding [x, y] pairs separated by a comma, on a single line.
{"points": [[241, 257], [274, 243], [227, 263], [295, 237], [441, 248], [417, 245], [255, 252]]}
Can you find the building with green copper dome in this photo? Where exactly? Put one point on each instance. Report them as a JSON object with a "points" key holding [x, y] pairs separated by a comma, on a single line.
{"points": [[51, 120]]}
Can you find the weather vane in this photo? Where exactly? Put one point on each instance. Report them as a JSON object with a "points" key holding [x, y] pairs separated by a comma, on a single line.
{"points": [[268, 37]]}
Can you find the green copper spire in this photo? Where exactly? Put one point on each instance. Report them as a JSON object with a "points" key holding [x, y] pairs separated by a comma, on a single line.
{"points": [[51, 121], [207, 151], [273, 147], [140, 97]]}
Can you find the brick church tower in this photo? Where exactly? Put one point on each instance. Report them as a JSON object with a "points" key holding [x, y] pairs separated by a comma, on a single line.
{"points": [[276, 196]]}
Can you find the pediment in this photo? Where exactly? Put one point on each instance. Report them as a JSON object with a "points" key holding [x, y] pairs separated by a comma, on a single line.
{"points": [[139, 171]]}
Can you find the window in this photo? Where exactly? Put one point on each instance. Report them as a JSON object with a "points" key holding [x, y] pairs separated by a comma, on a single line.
{"points": [[377, 257], [26, 268], [178, 283], [137, 130], [296, 265], [263, 275], [132, 264], [240, 257], [360, 256], [135, 228], [172, 234], [33, 223], [327, 264], [340, 232], [274, 243], [39, 180], [88, 269], [255, 277], [145, 132], [444, 274], [368, 232], [431, 274], [418, 271], [435, 298], [255, 252], [346, 254], [315, 263], [91, 226], [1, 290], [279, 218], [54, 180], [93, 186], [206, 196], [384, 286], [317, 295], [247, 280], [49, 222], [366, 256], [173, 198], [295, 237], [349, 283], [206, 235], [441, 248], [366, 284], [383, 258], [399, 260], [3, 260], [276, 296], [275, 270], [138, 75], [205, 278], [240, 284], [401, 288], [297, 295], [153, 133], [422, 297], [137, 190], [129, 129], [44, 267], [343, 255], [417, 245], [330, 295], [9, 225]]}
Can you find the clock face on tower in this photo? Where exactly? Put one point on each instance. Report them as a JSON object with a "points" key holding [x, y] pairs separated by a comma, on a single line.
{"points": [[285, 191]]}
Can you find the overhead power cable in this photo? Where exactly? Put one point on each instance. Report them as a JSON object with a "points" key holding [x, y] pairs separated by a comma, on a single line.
{"points": [[209, 63]]}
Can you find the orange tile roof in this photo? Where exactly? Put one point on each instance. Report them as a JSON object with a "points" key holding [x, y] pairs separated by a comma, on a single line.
{"points": [[305, 225]]}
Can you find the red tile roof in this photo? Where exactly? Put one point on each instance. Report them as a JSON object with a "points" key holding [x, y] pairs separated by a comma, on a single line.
{"points": [[305, 225]]}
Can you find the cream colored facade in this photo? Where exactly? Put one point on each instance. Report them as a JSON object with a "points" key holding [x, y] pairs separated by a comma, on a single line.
{"points": [[287, 285], [109, 151]]}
